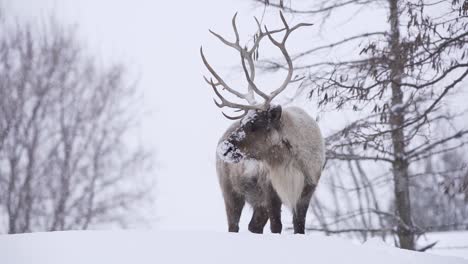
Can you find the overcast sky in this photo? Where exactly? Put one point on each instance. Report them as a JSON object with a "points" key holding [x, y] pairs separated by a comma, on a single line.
{"points": [[160, 41]]}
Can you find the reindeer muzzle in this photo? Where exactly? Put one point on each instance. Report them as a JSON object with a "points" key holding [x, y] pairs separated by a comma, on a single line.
{"points": [[229, 153]]}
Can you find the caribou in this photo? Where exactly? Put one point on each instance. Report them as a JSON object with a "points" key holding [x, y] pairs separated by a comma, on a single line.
{"points": [[270, 155]]}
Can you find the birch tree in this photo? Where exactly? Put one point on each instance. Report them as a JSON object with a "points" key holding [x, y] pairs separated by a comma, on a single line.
{"points": [[66, 161]]}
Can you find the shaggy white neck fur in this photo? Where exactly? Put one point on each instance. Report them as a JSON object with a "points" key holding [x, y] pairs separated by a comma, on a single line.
{"points": [[287, 179], [288, 182]]}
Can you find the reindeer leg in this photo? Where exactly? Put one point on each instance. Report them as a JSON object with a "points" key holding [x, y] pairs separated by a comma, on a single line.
{"points": [[299, 215], [274, 211], [259, 220], [234, 211], [234, 204]]}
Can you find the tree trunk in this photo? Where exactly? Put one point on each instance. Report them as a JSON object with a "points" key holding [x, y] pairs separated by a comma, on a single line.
{"points": [[397, 119]]}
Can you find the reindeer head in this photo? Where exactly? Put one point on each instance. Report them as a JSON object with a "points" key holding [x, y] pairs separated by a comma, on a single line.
{"points": [[257, 132], [254, 137]]}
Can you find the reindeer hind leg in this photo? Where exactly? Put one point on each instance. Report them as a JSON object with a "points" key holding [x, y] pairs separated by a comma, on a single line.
{"points": [[274, 211], [259, 220], [299, 215]]}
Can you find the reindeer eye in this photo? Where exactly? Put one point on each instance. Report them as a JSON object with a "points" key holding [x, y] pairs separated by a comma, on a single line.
{"points": [[255, 126], [250, 126]]}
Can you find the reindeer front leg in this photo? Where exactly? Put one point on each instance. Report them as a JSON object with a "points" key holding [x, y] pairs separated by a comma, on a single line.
{"points": [[234, 204]]}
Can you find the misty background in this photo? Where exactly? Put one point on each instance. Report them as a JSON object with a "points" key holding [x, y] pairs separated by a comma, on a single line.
{"points": [[181, 123], [158, 42]]}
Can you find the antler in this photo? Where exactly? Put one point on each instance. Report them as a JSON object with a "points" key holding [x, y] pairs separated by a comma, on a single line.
{"points": [[249, 71], [282, 46]]}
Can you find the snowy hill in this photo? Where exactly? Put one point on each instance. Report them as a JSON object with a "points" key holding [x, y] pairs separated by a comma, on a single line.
{"points": [[452, 243], [197, 247]]}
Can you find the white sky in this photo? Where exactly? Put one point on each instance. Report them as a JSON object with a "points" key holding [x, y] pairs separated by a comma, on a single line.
{"points": [[161, 40]]}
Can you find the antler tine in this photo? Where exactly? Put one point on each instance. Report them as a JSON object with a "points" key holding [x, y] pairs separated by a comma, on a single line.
{"points": [[248, 55], [235, 45], [223, 40], [290, 30], [220, 80], [284, 20], [282, 46], [227, 103], [258, 25], [235, 117], [261, 35], [250, 76], [245, 55], [234, 27]]}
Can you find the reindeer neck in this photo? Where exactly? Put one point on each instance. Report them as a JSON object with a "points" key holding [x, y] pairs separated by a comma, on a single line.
{"points": [[280, 153]]}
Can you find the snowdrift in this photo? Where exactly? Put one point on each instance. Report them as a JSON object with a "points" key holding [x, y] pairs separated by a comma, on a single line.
{"points": [[198, 247]]}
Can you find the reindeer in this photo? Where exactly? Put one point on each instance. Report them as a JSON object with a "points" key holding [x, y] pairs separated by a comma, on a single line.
{"points": [[269, 156]]}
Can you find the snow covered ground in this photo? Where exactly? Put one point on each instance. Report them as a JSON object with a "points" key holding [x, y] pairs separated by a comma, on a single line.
{"points": [[449, 243], [198, 247]]}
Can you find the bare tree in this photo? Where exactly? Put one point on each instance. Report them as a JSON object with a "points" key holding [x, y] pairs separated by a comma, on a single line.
{"points": [[66, 161], [442, 193], [398, 82]]}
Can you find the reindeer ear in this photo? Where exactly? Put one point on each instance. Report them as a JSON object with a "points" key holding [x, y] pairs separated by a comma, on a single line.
{"points": [[275, 113]]}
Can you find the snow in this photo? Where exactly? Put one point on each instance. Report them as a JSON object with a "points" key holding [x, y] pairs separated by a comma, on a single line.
{"points": [[198, 247], [453, 243], [239, 135], [251, 114], [227, 152], [397, 107]]}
